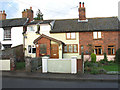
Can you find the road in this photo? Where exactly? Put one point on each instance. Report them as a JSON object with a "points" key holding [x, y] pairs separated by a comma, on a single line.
{"points": [[34, 83]]}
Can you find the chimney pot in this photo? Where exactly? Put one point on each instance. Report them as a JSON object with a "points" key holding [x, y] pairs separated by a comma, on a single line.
{"points": [[83, 4], [31, 8], [3, 11], [80, 4]]}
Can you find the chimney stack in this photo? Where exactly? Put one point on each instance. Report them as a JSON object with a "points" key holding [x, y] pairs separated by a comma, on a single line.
{"points": [[28, 13], [82, 15], [2, 15]]}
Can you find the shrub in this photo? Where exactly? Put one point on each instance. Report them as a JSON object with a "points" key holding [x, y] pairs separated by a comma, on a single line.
{"points": [[93, 58], [94, 70], [117, 56], [88, 64]]}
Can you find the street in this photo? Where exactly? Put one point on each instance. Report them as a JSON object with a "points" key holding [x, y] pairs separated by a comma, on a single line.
{"points": [[8, 82]]}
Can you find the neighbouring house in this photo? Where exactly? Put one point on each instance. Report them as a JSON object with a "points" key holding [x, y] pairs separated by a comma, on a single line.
{"points": [[64, 38], [33, 31], [11, 29]]}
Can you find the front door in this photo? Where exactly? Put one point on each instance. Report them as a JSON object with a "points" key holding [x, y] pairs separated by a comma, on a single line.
{"points": [[54, 51]]}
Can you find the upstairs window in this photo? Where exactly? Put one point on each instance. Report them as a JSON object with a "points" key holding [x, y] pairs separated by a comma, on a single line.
{"points": [[70, 36], [98, 50], [111, 50], [97, 35], [7, 33]]}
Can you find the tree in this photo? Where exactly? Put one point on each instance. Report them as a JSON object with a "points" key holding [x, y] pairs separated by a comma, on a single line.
{"points": [[39, 15]]}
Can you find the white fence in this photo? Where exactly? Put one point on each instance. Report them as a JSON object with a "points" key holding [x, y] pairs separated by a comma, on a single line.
{"points": [[5, 65], [59, 65]]}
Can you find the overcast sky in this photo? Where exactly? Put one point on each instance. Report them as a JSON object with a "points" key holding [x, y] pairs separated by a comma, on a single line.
{"points": [[60, 9]]}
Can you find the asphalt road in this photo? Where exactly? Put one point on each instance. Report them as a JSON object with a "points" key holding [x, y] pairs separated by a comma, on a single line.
{"points": [[34, 83]]}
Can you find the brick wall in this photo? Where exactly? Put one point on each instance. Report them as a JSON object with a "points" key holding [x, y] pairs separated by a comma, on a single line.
{"points": [[43, 41], [108, 38], [16, 52]]}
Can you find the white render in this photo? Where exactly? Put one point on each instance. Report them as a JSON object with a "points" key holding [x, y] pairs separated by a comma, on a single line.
{"points": [[59, 65], [16, 36], [31, 36]]}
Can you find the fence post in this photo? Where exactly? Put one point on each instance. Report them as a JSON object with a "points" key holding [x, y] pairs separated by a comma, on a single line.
{"points": [[44, 64], [74, 64], [82, 55], [28, 64]]}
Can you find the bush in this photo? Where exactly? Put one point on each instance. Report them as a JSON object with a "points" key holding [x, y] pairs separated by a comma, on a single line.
{"points": [[94, 70], [93, 58], [117, 56], [88, 64]]}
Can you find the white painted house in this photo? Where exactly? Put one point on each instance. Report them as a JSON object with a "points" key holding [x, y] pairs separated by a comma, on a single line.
{"points": [[11, 29], [11, 32]]}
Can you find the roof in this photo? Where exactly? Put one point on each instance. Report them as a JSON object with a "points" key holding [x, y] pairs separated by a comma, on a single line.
{"points": [[40, 22], [93, 24], [50, 38], [13, 22]]}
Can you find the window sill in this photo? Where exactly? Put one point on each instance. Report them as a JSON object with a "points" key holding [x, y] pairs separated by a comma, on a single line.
{"points": [[70, 52], [6, 39], [97, 39], [71, 39]]}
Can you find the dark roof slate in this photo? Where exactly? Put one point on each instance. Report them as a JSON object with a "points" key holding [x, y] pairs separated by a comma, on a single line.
{"points": [[93, 24], [13, 22]]}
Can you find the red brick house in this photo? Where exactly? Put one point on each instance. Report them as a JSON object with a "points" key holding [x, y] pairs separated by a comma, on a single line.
{"points": [[101, 34]]}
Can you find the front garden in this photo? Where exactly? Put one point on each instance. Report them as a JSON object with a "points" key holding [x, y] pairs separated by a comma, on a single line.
{"points": [[103, 66]]}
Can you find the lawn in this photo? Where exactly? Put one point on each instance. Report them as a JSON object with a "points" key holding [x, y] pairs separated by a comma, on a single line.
{"points": [[110, 67], [20, 65], [100, 68]]}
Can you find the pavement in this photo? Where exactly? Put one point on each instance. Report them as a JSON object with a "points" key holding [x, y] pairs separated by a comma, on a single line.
{"points": [[59, 76]]}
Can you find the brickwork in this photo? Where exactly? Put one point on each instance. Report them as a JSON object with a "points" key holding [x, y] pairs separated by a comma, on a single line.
{"points": [[108, 38], [43, 41]]}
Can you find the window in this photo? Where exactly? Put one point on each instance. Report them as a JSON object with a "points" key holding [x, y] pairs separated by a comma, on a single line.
{"points": [[97, 35], [111, 50], [6, 46], [31, 49], [71, 48], [7, 33], [70, 36], [43, 49], [81, 49], [98, 50]]}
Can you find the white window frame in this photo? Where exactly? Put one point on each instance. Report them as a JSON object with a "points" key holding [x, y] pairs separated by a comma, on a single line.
{"points": [[6, 30], [32, 46], [70, 36], [99, 35]]}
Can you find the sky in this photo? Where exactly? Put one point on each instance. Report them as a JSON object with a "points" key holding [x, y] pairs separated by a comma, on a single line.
{"points": [[60, 9]]}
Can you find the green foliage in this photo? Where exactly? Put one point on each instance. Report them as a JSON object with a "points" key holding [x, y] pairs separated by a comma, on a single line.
{"points": [[105, 57], [39, 15], [20, 65], [93, 58], [117, 56], [90, 48], [88, 64]]}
